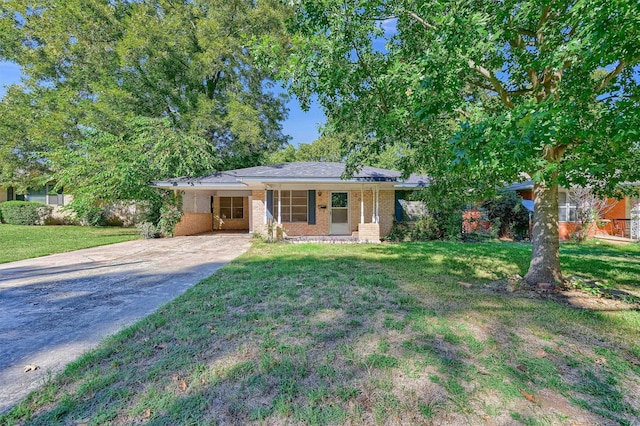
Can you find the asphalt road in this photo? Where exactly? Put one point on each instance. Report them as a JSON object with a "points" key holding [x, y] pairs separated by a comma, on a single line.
{"points": [[54, 308]]}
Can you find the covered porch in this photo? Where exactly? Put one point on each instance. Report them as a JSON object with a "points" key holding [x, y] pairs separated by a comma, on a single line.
{"points": [[360, 212]]}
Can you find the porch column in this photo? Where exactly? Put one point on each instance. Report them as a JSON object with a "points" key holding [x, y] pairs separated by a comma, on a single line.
{"points": [[250, 208], [266, 213], [362, 204], [279, 207], [373, 204], [377, 205]]}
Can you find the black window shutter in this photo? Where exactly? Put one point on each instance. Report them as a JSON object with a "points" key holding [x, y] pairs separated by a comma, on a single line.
{"points": [[398, 206], [312, 207], [270, 204]]}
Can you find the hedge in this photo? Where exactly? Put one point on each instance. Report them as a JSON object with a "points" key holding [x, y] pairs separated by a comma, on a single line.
{"points": [[24, 213]]}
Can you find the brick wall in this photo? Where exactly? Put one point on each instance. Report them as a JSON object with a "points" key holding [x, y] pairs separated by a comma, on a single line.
{"points": [[369, 232], [258, 208], [194, 223], [618, 211]]}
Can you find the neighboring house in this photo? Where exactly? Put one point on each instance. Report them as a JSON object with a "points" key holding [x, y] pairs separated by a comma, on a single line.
{"points": [[616, 222], [305, 199], [44, 194]]}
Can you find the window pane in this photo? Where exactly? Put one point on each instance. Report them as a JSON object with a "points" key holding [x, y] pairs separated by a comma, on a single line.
{"points": [[299, 194], [562, 197], [297, 217], [225, 212], [238, 213], [562, 213], [286, 217], [237, 201], [339, 216], [38, 195], [339, 199], [225, 201], [298, 201], [299, 210]]}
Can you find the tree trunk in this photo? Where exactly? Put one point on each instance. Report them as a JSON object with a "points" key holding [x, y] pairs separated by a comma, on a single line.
{"points": [[545, 259]]}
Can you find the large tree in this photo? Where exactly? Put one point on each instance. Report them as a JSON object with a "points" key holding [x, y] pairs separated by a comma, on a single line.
{"points": [[483, 91], [99, 68]]}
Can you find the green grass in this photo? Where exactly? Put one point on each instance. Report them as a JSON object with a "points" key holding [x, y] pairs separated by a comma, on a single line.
{"points": [[365, 334], [24, 242]]}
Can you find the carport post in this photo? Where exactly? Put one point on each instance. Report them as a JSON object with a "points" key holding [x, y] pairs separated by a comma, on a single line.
{"points": [[361, 203]]}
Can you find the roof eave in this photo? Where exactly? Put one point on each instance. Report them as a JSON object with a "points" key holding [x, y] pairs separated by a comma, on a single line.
{"points": [[176, 185], [268, 180]]}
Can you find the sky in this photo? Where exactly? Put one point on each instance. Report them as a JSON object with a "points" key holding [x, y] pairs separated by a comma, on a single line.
{"points": [[303, 127]]}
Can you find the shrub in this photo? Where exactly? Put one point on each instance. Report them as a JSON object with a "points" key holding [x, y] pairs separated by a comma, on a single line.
{"points": [[170, 214], [441, 218], [148, 230], [508, 216], [424, 229], [25, 213]]}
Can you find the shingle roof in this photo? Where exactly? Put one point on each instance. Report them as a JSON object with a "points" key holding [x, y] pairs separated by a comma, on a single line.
{"points": [[520, 186], [300, 170]]}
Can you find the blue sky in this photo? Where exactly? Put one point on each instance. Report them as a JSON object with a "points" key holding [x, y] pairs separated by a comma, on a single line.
{"points": [[301, 126]]}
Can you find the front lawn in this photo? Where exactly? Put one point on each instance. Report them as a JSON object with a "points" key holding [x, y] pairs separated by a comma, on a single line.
{"points": [[19, 242], [367, 334]]}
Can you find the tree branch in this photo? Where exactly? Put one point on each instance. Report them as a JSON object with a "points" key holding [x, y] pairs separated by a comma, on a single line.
{"points": [[621, 65], [524, 31], [495, 83], [421, 21]]}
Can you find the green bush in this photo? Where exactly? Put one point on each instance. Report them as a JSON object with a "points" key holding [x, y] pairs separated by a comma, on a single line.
{"points": [[508, 216], [24, 213], [424, 229]]}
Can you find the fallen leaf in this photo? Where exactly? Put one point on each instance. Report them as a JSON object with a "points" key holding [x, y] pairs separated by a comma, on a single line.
{"points": [[147, 413], [540, 353], [183, 385], [466, 285], [529, 396], [600, 361], [30, 367], [522, 368], [488, 420]]}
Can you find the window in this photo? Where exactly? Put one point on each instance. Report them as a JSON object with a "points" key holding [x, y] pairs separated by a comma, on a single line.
{"points": [[231, 207], [566, 209], [294, 206], [38, 195]]}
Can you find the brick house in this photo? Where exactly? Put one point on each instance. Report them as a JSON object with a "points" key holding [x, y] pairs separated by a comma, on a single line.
{"points": [[617, 222], [304, 199]]}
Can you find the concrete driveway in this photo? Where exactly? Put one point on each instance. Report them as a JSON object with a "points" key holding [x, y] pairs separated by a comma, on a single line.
{"points": [[54, 308]]}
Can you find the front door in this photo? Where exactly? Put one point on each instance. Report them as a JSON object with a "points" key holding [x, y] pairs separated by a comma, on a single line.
{"points": [[339, 214]]}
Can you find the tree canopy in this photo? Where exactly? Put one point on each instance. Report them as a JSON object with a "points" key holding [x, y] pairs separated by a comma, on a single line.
{"points": [[481, 92], [98, 69]]}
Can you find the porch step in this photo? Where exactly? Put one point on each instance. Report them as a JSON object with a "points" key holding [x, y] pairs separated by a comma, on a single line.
{"points": [[324, 239]]}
